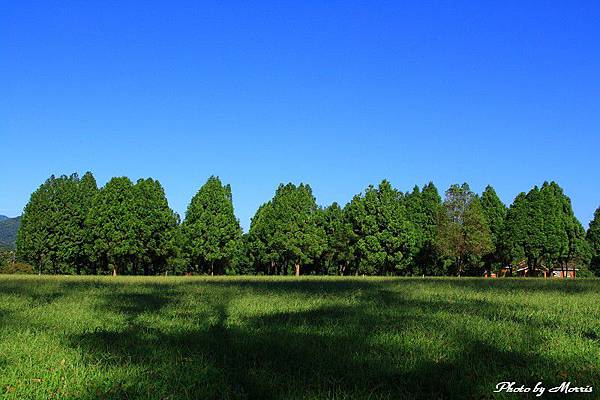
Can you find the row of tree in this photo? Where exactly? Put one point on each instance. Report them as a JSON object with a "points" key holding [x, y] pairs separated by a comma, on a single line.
{"points": [[70, 226]]}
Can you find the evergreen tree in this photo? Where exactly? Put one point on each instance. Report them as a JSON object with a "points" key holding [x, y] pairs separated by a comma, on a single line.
{"points": [[423, 208], [262, 253], [52, 235], [177, 263], [339, 251], [212, 234], [516, 229], [593, 239], [88, 189], [463, 232], [285, 231], [298, 238], [155, 227], [495, 213], [576, 252], [386, 238], [541, 228], [114, 227], [33, 238]]}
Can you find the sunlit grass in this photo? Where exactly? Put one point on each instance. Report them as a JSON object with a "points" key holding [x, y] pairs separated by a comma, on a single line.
{"points": [[261, 338]]}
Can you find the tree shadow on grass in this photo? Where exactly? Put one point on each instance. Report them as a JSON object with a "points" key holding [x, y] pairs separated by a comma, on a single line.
{"points": [[368, 350], [35, 293], [530, 285]]}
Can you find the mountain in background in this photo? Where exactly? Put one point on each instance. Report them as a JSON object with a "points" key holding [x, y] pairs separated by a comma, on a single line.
{"points": [[8, 230]]}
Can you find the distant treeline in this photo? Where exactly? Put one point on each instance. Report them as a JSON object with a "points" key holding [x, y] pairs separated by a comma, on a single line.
{"points": [[70, 226]]}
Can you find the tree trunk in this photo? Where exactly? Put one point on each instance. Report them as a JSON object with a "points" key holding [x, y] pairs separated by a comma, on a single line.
{"points": [[114, 271], [297, 268], [344, 267]]}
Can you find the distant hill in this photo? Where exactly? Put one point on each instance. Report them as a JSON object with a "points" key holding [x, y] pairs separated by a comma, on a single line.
{"points": [[8, 230]]}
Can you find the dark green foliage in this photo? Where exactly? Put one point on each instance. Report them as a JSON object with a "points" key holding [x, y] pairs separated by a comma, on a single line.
{"points": [[178, 262], [211, 234], [51, 235], [285, 232], [463, 235], [69, 227], [593, 239], [578, 251], [112, 224], [131, 227], [386, 239], [8, 231], [262, 255], [338, 255], [423, 208], [541, 228], [495, 213], [156, 224]]}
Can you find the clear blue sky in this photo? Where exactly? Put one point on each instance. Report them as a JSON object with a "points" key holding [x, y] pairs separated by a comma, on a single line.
{"points": [[335, 94]]}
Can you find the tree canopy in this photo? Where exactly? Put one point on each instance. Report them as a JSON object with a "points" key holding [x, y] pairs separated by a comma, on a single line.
{"points": [[71, 227], [286, 229], [52, 233], [593, 238], [542, 229], [495, 214], [211, 233], [386, 238], [464, 235]]}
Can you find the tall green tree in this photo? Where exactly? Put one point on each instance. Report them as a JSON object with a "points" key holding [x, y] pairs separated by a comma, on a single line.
{"points": [[338, 255], [177, 262], [577, 252], [593, 238], [495, 213], [521, 234], [423, 207], [87, 190], [52, 235], [541, 228], [155, 225], [386, 238], [285, 231], [263, 255], [212, 234], [113, 226], [34, 244], [464, 236]]}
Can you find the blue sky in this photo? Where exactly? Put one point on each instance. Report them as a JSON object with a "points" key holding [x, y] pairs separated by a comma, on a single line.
{"points": [[336, 94]]}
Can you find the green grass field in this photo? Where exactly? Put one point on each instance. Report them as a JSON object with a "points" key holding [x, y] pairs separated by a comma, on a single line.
{"points": [[276, 338]]}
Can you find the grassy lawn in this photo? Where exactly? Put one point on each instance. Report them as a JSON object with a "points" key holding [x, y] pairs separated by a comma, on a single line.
{"points": [[286, 338]]}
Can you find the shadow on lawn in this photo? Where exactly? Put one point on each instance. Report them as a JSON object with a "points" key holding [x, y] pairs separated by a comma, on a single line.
{"points": [[328, 352], [387, 345], [518, 285], [34, 292]]}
